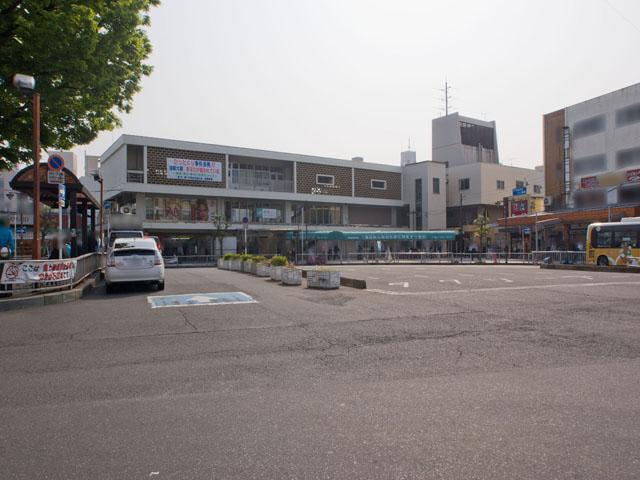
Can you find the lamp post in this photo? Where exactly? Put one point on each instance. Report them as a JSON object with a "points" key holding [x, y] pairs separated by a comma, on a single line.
{"points": [[97, 176], [26, 85]]}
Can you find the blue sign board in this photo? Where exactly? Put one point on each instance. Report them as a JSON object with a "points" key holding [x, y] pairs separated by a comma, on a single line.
{"points": [[519, 191], [195, 299], [21, 230], [62, 194], [526, 230], [107, 205]]}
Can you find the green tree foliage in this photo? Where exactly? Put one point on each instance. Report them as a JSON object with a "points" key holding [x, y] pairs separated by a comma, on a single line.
{"points": [[88, 60], [482, 228]]}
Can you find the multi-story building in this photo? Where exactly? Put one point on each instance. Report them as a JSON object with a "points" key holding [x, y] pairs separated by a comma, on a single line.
{"points": [[477, 184], [592, 152], [181, 190]]}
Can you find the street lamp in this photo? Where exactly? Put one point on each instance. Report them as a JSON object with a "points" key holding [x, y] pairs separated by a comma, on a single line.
{"points": [[26, 85], [97, 176]]}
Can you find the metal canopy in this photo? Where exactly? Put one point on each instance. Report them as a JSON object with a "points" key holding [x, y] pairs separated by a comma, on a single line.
{"points": [[377, 235]]}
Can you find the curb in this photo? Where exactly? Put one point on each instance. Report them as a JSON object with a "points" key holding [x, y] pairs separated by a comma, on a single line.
{"points": [[592, 268], [54, 298]]}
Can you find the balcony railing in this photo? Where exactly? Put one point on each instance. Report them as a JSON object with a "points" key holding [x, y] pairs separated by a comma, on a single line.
{"points": [[135, 176]]}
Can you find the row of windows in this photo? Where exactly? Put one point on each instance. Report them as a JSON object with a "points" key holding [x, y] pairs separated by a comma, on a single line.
{"points": [[330, 180], [615, 238], [624, 116], [598, 163], [464, 184]]}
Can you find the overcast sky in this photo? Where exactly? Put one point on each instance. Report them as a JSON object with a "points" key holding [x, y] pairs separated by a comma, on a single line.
{"points": [[346, 78]]}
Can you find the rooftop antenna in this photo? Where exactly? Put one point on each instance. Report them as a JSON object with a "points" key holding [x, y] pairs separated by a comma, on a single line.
{"points": [[446, 96]]}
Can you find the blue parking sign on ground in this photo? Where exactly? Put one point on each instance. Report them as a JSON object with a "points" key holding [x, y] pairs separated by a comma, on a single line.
{"points": [[197, 299]]}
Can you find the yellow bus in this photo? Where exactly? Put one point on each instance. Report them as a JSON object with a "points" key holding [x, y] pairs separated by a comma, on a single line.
{"points": [[614, 243]]}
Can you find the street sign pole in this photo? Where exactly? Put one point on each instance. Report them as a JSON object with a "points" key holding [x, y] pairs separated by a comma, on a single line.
{"points": [[245, 225], [62, 193]]}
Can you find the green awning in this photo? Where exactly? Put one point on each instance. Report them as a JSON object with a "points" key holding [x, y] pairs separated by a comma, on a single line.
{"points": [[375, 235]]}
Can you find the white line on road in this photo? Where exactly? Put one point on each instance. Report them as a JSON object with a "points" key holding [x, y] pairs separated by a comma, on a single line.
{"points": [[495, 289], [506, 280], [374, 278], [404, 284], [453, 280], [577, 276]]}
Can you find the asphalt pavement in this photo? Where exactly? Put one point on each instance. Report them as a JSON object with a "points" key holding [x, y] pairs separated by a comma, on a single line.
{"points": [[474, 372]]}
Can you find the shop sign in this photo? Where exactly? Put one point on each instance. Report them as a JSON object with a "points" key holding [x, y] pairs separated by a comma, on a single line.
{"points": [[633, 176], [54, 176], [267, 213], [588, 182], [519, 207], [34, 272], [194, 170], [519, 191]]}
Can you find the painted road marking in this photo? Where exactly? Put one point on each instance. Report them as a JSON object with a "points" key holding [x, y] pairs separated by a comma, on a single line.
{"points": [[404, 284], [577, 276], [454, 280], [506, 280], [495, 289], [197, 299], [374, 278]]}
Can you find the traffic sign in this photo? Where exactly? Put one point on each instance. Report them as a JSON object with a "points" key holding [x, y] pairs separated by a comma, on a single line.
{"points": [[107, 205], [62, 194], [519, 191], [56, 162], [526, 230], [55, 176], [245, 222], [21, 230]]}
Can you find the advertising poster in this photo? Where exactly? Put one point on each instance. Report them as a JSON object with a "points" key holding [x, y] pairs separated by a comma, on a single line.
{"points": [[194, 170]]}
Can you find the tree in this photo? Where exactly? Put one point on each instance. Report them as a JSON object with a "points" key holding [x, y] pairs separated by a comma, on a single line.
{"points": [[87, 59], [482, 228]]}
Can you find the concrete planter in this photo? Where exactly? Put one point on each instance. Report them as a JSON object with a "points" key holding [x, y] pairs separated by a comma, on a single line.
{"points": [[236, 265], [326, 280], [226, 264], [291, 276], [220, 263], [263, 270], [246, 266], [276, 273]]}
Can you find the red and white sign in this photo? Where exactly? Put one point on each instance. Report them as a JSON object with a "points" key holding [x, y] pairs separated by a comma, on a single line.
{"points": [[633, 176], [519, 207], [589, 182], [36, 272]]}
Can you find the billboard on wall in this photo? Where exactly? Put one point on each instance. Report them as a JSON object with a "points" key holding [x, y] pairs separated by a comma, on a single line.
{"points": [[519, 206], [194, 170]]}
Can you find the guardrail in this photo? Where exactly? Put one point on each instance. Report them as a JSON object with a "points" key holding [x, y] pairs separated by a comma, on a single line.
{"points": [[184, 260], [25, 277]]}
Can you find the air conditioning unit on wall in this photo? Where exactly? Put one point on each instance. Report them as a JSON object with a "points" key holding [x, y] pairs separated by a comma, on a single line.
{"points": [[548, 201]]}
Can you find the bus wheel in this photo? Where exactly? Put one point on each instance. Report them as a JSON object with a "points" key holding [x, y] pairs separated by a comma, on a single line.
{"points": [[603, 261]]}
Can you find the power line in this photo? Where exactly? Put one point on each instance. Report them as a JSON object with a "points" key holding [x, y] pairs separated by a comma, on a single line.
{"points": [[622, 15]]}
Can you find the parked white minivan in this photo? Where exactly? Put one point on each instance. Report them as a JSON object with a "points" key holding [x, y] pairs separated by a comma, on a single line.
{"points": [[134, 260]]}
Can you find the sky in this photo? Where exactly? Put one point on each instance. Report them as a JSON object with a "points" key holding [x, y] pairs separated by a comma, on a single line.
{"points": [[345, 78]]}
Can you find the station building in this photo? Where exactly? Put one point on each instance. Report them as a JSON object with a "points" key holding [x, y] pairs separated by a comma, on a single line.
{"points": [[182, 191]]}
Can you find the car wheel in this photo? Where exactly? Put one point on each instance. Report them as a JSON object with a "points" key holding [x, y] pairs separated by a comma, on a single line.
{"points": [[603, 261], [160, 285], [109, 288]]}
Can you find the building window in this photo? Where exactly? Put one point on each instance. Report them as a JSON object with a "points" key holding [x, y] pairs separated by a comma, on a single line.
{"points": [[537, 189], [418, 210], [379, 184], [591, 164], [519, 184], [327, 180], [628, 158], [589, 126], [500, 184], [628, 115], [464, 183], [436, 186], [135, 163]]}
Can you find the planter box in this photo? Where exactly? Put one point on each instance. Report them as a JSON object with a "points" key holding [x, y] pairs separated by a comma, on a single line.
{"points": [[226, 264], [236, 265], [323, 279], [263, 270], [220, 263], [291, 276], [276, 273], [246, 266]]}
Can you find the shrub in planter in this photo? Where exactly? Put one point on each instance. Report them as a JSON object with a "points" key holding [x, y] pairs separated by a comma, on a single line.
{"points": [[246, 259], [254, 264], [323, 278], [291, 276], [226, 261], [236, 262], [277, 264], [263, 269]]}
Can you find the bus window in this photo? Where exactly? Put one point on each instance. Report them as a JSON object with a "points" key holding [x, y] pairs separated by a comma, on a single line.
{"points": [[602, 239]]}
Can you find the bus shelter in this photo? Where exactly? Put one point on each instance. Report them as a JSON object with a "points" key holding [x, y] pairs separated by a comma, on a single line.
{"points": [[80, 204]]}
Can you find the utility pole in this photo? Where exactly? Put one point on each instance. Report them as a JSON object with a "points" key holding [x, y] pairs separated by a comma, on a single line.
{"points": [[461, 222]]}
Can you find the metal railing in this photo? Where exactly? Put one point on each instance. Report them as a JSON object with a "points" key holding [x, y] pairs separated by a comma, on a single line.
{"points": [[184, 260], [537, 257], [85, 265]]}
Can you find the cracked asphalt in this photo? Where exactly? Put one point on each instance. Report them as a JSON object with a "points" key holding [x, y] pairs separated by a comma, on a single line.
{"points": [[474, 372]]}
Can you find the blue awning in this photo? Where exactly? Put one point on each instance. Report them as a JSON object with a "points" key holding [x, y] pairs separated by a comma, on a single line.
{"points": [[375, 235]]}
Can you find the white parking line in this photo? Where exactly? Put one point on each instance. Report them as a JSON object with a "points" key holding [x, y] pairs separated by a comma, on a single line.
{"points": [[507, 280], [454, 280], [495, 289], [403, 284]]}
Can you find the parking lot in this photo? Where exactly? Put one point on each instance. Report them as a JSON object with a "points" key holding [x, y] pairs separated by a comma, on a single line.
{"points": [[496, 372]]}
